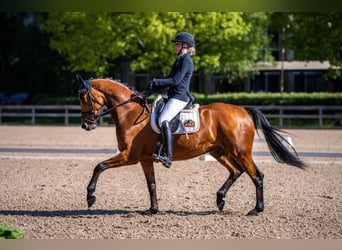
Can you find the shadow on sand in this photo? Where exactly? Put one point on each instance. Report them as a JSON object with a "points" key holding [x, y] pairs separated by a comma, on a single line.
{"points": [[88, 213]]}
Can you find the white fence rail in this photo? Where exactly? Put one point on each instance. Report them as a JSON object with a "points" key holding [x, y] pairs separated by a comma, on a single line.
{"points": [[39, 111], [318, 113], [32, 112]]}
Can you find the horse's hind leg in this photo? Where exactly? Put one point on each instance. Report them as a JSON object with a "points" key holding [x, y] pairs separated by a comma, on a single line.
{"points": [[235, 173], [258, 182], [246, 162]]}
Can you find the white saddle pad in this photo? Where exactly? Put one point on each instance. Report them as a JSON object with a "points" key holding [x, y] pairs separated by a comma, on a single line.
{"points": [[188, 119]]}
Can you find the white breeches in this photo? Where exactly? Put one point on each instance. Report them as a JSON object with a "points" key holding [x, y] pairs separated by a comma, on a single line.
{"points": [[171, 109]]}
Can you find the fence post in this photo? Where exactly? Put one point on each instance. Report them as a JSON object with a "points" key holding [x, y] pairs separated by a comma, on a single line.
{"points": [[281, 113], [66, 117], [33, 119], [320, 116]]}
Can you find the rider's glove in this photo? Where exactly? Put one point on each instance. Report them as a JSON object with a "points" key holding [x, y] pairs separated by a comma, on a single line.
{"points": [[150, 88]]}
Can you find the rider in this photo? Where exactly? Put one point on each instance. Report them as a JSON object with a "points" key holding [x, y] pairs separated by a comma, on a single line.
{"points": [[178, 84]]}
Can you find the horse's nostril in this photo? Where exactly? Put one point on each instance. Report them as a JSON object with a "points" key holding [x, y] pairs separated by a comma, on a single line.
{"points": [[85, 125]]}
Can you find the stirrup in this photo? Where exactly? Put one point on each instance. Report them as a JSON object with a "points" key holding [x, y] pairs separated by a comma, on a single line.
{"points": [[165, 160], [156, 157]]}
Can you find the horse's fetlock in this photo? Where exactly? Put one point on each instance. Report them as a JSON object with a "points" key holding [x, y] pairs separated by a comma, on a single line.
{"points": [[260, 208], [99, 167], [221, 194], [91, 190], [220, 199]]}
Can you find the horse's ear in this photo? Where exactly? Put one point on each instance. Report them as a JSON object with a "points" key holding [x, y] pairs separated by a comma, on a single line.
{"points": [[81, 81]]}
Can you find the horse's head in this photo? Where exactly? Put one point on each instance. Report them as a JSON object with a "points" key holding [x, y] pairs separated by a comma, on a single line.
{"points": [[91, 102]]}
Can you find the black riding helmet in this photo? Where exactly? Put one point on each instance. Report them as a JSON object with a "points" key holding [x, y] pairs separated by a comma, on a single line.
{"points": [[185, 37]]}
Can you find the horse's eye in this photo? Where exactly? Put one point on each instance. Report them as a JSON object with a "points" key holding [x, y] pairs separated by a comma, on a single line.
{"points": [[82, 97]]}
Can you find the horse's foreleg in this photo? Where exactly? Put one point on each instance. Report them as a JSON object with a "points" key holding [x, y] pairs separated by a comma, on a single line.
{"points": [[92, 184], [151, 184], [116, 161]]}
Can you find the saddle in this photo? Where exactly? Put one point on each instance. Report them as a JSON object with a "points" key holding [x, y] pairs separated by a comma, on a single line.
{"points": [[186, 122]]}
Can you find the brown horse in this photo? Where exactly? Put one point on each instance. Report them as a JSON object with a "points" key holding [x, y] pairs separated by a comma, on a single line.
{"points": [[226, 133]]}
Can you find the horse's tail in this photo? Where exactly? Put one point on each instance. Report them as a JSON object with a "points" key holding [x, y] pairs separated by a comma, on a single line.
{"points": [[275, 141]]}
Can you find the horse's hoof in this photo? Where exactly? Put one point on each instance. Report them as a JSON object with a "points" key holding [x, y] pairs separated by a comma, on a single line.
{"points": [[91, 200], [220, 205], [254, 212], [153, 210], [150, 211]]}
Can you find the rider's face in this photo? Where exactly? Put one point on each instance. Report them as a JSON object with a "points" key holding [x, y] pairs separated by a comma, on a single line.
{"points": [[178, 47]]}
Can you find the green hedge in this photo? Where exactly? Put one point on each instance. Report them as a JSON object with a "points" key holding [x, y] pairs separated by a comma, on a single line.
{"points": [[233, 98], [273, 98]]}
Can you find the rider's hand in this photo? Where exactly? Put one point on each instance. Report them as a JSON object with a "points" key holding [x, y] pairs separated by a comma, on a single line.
{"points": [[149, 89]]}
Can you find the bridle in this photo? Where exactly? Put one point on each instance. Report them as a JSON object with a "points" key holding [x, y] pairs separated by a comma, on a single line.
{"points": [[91, 98]]}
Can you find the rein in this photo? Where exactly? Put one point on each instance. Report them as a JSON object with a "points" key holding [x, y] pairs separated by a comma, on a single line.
{"points": [[91, 98], [115, 107]]}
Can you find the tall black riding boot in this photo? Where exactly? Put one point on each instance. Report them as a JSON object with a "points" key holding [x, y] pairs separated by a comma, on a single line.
{"points": [[166, 159]]}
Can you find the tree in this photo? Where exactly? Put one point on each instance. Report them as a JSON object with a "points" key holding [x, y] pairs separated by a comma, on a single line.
{"points": [[97, 42], [312, 36], [231, 42], [26, 62]]}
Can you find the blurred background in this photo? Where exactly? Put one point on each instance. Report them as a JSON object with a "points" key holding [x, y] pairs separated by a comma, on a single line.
{"points": [[236, 53]]}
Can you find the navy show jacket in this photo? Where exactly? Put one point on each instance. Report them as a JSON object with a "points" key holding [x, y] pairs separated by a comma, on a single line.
{"points": [[178, 80]]}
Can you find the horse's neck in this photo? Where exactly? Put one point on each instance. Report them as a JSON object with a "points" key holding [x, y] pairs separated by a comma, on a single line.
{"points": [[126, 114], [115, 93], [129, 120], [112, 92]]}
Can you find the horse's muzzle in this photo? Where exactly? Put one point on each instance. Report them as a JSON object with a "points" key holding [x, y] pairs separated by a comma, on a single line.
{"points": [[89, 124]]}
